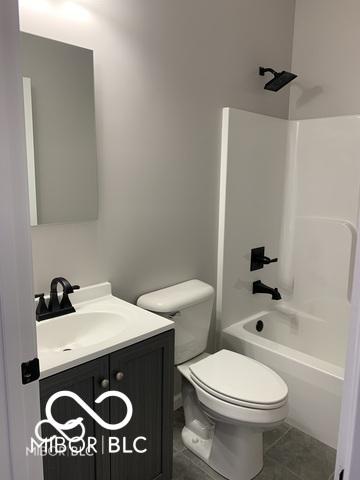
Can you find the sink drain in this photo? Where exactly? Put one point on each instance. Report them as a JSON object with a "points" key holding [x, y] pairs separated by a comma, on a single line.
{"points": [[67, 349]]}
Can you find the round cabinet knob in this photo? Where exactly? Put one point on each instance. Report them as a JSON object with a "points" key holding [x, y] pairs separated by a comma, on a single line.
{"points": [[105, 383], [119, 376]]}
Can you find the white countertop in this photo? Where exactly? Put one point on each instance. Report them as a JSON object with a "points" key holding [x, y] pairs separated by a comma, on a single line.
{"points": [[137, 325]]}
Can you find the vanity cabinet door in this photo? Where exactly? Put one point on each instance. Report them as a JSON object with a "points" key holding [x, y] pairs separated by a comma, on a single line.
{"points": [[144, 372], [84, 380]]}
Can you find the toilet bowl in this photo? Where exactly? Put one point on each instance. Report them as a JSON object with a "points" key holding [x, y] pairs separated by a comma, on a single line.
{"points": [[229, 399]]}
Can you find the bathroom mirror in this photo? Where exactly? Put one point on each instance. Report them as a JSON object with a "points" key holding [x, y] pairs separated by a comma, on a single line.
{"points": [[58, 81]]}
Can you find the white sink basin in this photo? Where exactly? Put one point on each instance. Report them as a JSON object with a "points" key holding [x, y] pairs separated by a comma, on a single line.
{"points": [[78, 330], [102, 324]]}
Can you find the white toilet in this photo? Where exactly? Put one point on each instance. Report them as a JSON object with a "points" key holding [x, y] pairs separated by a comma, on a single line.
{"points": [[229, 399]]}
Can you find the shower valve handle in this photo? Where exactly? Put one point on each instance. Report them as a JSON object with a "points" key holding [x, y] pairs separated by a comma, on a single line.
{"points": [[267, 260], [258, 259]]}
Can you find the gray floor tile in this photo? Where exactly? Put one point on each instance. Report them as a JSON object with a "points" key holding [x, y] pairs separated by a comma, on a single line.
{"points": [[202, 465], [291, 455], [178, 426], [308, 458], [271, 471], [185, 469], [273, 436], [274, 471]]}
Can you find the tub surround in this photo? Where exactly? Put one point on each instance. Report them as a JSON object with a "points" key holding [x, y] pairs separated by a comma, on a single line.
{"points": [[101, 324], [253, 170], [294, 213], [295, 167]]}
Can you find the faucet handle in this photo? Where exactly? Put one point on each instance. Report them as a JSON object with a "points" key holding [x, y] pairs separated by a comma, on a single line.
{"points": [[65, 301], [71, 288], [41, 307]]}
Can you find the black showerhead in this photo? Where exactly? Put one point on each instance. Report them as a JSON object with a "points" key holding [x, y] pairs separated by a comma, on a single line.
{"points": [[280, 79]]}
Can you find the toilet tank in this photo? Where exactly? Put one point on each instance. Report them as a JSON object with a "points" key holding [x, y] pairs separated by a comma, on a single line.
{"points": [[189, 305]]}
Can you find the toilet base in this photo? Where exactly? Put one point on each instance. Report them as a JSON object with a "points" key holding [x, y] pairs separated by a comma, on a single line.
{"points": [[232, 445], [201, 447], [237, 452], [232, 450]]}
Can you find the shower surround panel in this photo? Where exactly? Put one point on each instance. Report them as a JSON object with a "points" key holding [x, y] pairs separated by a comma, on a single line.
{"points": [[309, 220]]}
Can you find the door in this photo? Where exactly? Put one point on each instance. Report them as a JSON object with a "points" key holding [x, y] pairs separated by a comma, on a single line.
{"points": [[86, 381], [19, 404], [144, 372]]}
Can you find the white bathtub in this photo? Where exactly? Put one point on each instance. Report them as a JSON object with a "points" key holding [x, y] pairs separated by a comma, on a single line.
{"points": [[308, 355]]}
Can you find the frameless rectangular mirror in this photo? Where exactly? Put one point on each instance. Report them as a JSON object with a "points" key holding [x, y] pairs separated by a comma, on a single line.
{"points": [[58, 81]]}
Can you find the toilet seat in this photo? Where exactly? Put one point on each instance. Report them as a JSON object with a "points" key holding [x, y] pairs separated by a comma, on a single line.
{"points": [[239, 380], [227, 412]]}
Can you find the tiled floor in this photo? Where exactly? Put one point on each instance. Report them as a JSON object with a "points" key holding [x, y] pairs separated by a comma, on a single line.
{"points": [[289, 455]]}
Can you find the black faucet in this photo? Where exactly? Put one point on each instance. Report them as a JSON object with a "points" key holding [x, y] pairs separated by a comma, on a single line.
{"points": [[56, 308], [259, 287]]}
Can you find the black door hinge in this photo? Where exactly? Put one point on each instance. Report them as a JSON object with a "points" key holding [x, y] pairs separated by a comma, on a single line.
{"points": [[30, 371], [341, 476]]}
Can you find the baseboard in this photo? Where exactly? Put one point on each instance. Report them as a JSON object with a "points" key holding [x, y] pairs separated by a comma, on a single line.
{"points": [[177, 401]]}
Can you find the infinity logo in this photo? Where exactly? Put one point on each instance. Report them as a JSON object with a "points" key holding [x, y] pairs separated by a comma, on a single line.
{"points": [[79, 422]]}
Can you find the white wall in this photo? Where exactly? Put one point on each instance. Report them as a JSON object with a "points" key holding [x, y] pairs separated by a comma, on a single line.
{"points": [[71, 250], [163, 72], [325, 56]]}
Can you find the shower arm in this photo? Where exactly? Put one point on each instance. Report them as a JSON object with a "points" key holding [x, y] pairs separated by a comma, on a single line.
{"points": [[263, 70]]}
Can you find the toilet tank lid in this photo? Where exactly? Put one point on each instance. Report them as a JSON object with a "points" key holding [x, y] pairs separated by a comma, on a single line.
{"points": [[177, 297]]}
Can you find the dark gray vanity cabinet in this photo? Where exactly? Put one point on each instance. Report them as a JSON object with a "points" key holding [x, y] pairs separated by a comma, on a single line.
{"points": [[144, 372]]}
